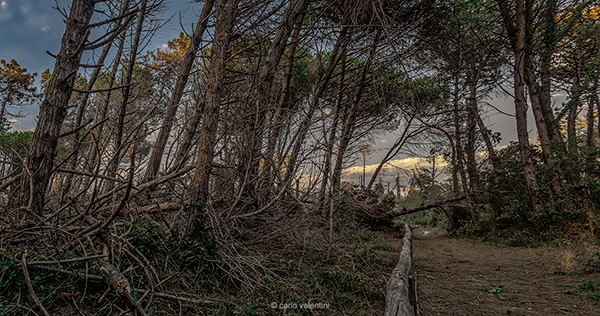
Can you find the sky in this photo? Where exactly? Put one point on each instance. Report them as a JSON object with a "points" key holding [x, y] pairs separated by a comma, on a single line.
{"points": [[29, 28]]}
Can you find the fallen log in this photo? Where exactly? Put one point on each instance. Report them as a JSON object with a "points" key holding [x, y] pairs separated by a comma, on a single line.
{"points": [[401, 297], [121, 286], [423, 207]]}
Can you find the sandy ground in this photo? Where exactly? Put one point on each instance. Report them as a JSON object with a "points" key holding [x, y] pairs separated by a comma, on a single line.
{"points": [[467, 277]]}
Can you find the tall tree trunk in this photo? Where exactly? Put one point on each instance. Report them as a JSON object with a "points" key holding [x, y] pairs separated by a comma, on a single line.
{"points": [[547, 51], [539, 95], [589, 139], [517, 35], [472, 113], [84, 99], [54, 106], [182, 79], [183, 152], [458, 167], [101, 115], [330, 141], [266, 75], [349, 124], [305, 124], [283, 105], [226, 15], [118, 136], [574, 106]]}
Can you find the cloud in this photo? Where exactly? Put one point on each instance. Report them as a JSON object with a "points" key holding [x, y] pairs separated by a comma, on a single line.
{"points": [[406, 163], [163, 46], [13, 121], [44, 28], [4, 5], [384, 140]]}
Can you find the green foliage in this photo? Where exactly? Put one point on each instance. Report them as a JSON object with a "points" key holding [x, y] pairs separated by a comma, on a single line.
{"points": [[593, 265], [16, 86], [348, 230], [195, 252], [590, 286], [12, 281], [17, 141], [495, 291], [508, 205], [46, 284]]}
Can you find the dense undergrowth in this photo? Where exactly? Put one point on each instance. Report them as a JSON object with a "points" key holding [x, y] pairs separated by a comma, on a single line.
{"points": [[229, 276]]}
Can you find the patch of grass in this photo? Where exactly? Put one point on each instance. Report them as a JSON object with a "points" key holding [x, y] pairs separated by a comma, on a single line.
{"points": [[591, 287], [586, 285], [494, 291], [593, 265]]}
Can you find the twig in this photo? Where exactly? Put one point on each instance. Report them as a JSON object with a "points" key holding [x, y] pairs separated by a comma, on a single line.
{"points": [[184, 299], [30, 286], [66, 260]]}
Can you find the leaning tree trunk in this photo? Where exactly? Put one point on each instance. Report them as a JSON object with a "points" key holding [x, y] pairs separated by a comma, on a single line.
{"points": [[93, 155], [283, 105], [118, 135], [266, 76], [472, 113], [350, 119], [191, 126], [182, 79], [54, 106], [333, 131], [305, 124], [395, 149], [226, 14], [84, 100], [485, 134]]}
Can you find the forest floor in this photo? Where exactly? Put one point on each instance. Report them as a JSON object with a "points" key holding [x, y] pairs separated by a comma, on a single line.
{"points": [[470, 277]]}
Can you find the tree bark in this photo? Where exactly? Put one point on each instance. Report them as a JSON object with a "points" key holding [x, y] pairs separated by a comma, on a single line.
{"points": [[517, 34], [333, 131], [589, 139], [84, 99], [182, 79], [305, 124], [574, 106], [349, 123], [472, 113], [101, 116], [226, 15], [266, 74], [284, 104], [118, 135], [54, 107]]}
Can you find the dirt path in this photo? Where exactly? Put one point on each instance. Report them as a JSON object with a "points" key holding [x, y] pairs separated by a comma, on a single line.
{"points": [[466, 277]]}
